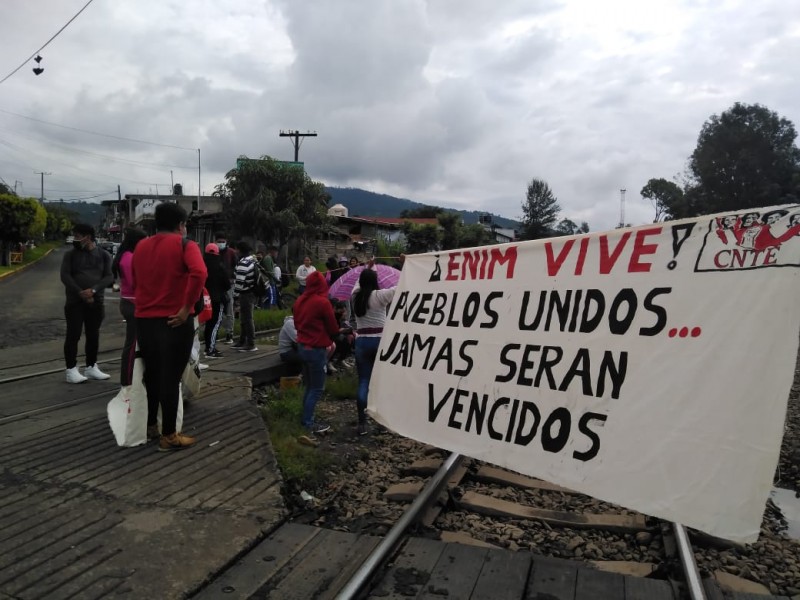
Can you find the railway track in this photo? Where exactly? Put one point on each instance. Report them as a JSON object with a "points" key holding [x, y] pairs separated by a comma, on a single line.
{"points": [[471, 497], [380, 475]]}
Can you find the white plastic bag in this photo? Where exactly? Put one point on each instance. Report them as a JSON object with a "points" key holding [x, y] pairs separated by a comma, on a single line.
{"points": [[127, 411], [190, 379]]}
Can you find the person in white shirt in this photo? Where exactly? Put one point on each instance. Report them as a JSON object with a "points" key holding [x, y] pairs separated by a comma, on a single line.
{"points": [[303, 271], [278, 288], [369, 309]]}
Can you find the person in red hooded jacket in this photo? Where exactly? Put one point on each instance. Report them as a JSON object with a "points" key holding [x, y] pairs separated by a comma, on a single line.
{"points": [[316, 327]]}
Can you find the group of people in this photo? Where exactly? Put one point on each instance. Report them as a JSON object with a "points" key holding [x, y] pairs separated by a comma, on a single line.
{"points": [[163, 279], [320, 332]]}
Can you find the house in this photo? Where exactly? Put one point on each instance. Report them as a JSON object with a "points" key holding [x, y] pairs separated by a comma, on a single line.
{"points": [[205, 214], [501, 235], [358, 236]]}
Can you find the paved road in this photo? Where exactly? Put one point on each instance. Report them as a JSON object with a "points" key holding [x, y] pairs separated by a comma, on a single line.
{"points": [[32, 305]]}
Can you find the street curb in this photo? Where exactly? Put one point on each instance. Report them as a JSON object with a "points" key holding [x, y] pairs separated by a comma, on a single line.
{"points": [[25, 266]]}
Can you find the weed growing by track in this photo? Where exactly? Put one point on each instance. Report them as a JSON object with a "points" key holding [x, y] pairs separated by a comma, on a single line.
{"points": [[301, 465]]}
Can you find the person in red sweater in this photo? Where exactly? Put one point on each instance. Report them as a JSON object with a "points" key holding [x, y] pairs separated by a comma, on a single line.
{"points": [[169, 274], [316, 327]]}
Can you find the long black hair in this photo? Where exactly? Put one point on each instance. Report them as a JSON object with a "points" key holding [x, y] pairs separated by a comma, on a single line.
{"points": [[133, 235], [368, 282]]}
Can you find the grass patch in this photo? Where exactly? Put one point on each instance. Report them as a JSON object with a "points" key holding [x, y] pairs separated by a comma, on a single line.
{"points": [[301, 465], [32, 255], [271, 318], [342, 388]]}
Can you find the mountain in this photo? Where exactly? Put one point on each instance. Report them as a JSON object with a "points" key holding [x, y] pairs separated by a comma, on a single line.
{"points": [[369, 204], [82, 212]]}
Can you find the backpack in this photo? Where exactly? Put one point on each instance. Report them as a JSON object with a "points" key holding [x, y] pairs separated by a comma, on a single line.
{"points": [[261, 283]]}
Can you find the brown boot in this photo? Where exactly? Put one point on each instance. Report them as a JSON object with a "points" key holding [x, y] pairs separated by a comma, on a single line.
{"points": [[175, 441]]}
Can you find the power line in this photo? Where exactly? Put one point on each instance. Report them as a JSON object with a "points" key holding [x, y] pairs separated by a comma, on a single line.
{"points": [[56, 191], [111, 193], [47, 42], [106, 135], [106, 156], [70, 166]]}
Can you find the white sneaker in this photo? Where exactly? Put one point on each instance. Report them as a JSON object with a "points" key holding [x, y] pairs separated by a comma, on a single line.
{"points": [[202, 366], [74, 376], [94, 372], [329, 368]]}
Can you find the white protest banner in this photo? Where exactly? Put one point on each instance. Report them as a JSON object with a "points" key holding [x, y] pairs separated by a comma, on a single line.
{"points": [[649, 367]]}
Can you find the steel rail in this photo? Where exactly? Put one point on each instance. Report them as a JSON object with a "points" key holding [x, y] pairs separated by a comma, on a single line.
{"points": [[382, 550], [689, 565], [51, 407], [99, 362], [48, 372]]}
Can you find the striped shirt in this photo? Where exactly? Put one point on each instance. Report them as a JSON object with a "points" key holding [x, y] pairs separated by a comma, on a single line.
{"points": [[245, 275]]}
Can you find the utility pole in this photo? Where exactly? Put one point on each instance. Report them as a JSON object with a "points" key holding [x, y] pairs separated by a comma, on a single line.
{"points": [[297, 135], [622, 208], [198, 180], [42, 173], [17, 181]]}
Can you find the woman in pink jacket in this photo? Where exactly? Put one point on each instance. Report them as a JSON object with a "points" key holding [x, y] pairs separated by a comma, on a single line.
{"points": [[121, 267]]}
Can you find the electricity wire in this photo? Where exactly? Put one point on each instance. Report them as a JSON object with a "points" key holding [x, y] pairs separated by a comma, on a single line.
{"points": [[106, 135], [153, 165], [94, 173], [47, 42]]}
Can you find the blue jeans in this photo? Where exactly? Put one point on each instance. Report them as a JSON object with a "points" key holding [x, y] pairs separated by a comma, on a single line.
{"points": [[314, 360], [366, 352]]}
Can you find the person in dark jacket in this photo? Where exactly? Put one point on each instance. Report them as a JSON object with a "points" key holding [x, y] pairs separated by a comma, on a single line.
{"points": [[229, 258], [316, 326], [331, 270], [85, 273], [217, 285]]}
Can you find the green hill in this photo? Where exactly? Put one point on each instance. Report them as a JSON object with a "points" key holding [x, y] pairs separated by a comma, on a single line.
{"points": [[82, 212], [369, 204]]}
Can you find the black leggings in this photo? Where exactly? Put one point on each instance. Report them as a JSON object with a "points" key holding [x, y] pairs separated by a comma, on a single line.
{"points": [[126, 309], [165, 351], [82, 317]]}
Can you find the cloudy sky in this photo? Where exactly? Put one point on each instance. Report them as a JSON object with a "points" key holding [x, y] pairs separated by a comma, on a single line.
{"points": [[453, 102]]}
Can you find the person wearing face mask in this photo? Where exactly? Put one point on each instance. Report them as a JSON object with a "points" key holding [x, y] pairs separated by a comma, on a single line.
{"points": [[229, 258], [85, 273]]}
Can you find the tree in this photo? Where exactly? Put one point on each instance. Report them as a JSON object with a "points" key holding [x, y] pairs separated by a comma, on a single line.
{"points": [[59, 222], [745, 158], [539, 211], [451, 226], [569, 227], [423, 212], [473, 235], [666, 197], [421, 238], [21, 219], [273, 201]]}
